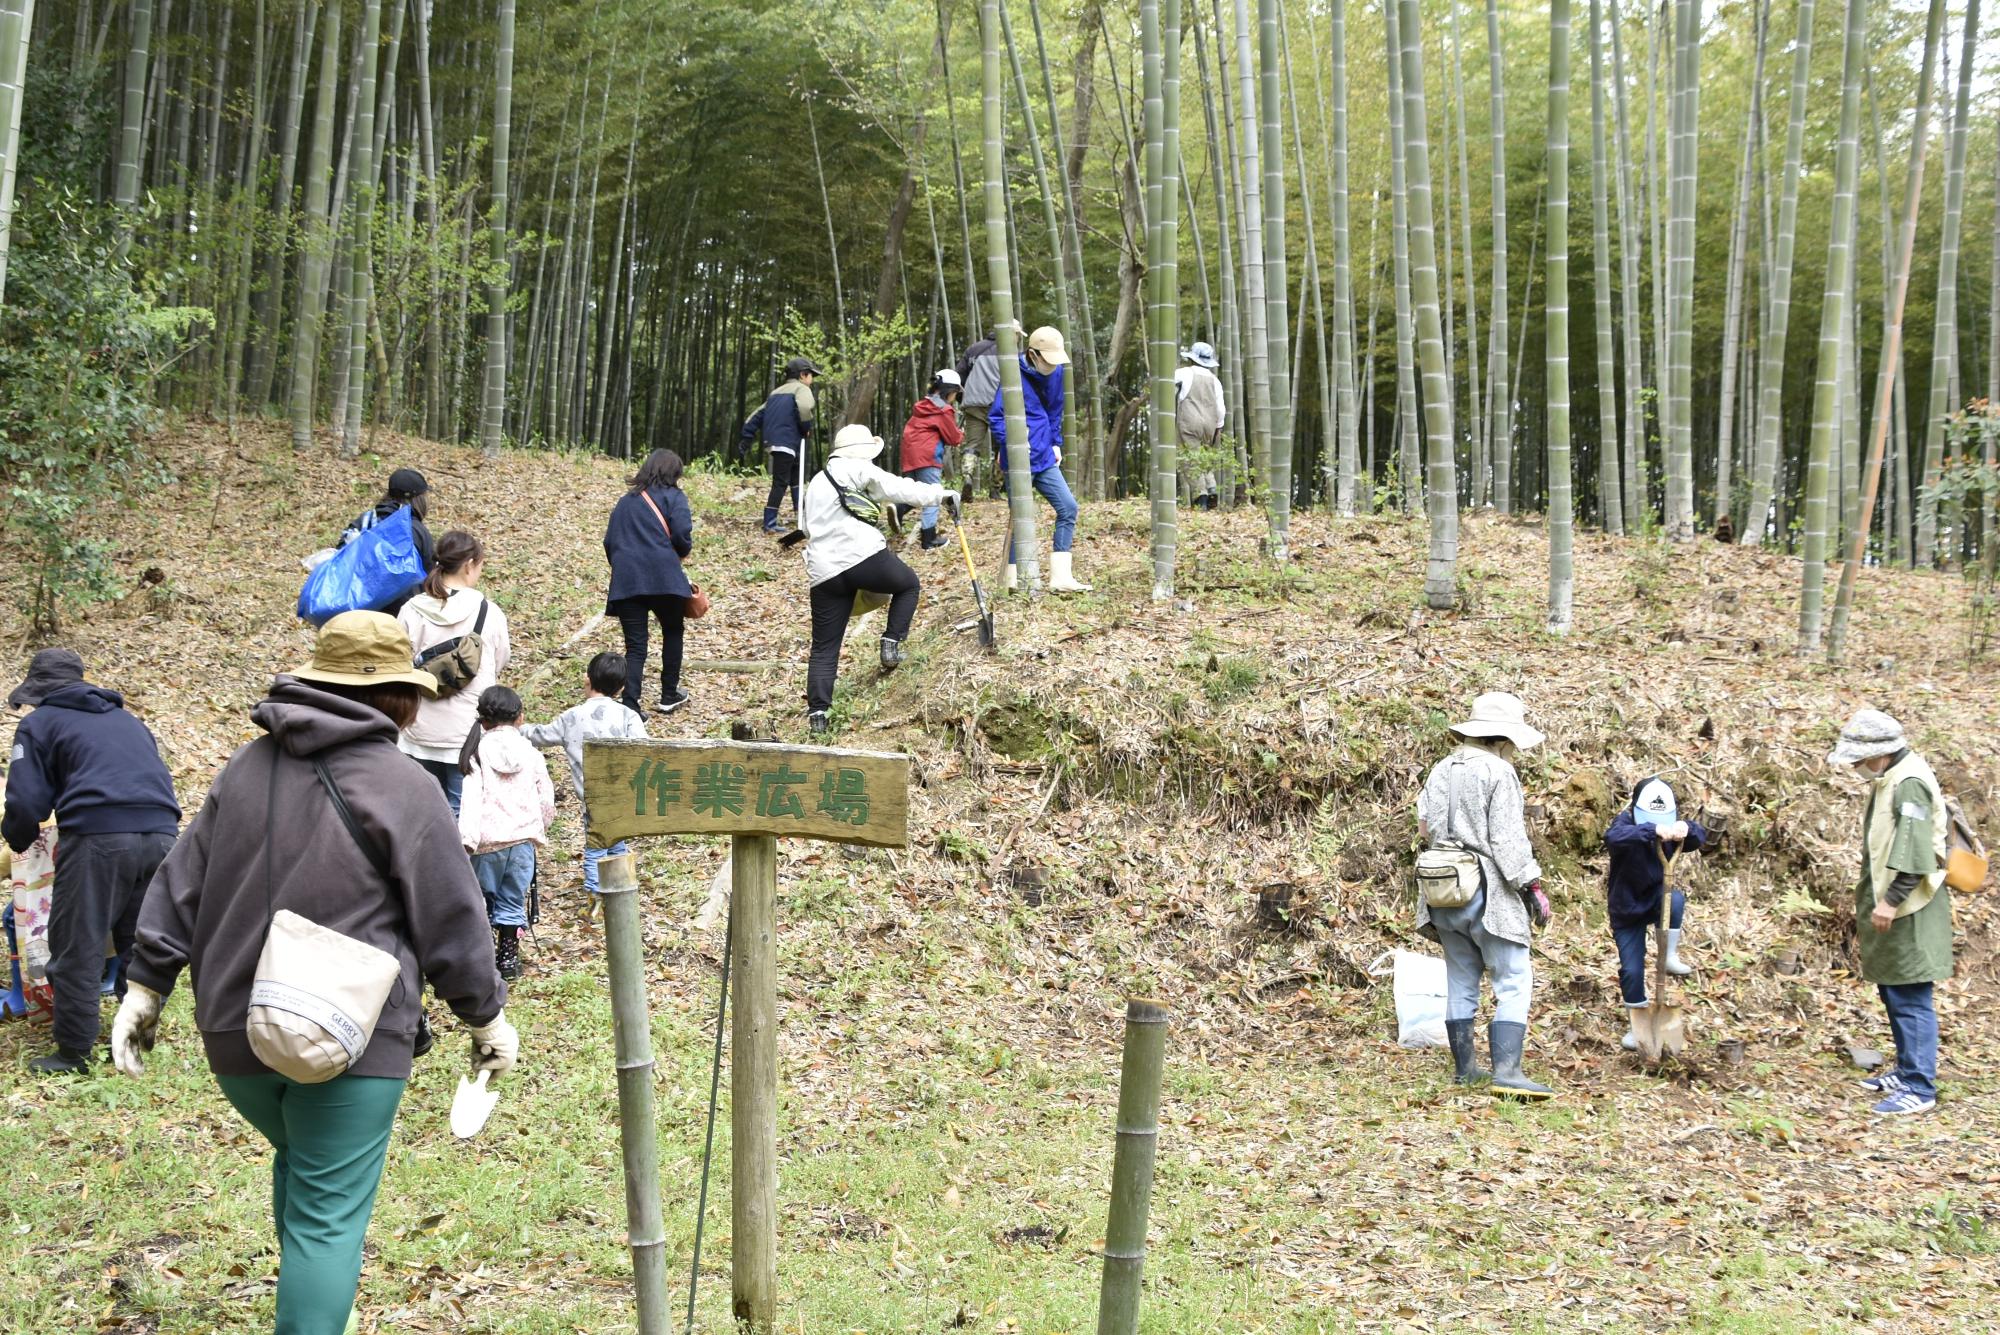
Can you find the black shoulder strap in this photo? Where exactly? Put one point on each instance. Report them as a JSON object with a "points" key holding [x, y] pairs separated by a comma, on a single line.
{"points": [[478, 622], [369, 848]]}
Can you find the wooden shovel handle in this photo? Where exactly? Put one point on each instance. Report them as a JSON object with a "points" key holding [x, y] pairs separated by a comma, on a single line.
{"points": [[1666, 923]]}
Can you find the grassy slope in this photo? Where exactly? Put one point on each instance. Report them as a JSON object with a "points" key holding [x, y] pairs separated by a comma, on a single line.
{"points": [[949, 1045]]}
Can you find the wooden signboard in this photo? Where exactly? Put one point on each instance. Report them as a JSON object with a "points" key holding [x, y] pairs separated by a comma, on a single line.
{"points": [[755, 793], [731, 788]]}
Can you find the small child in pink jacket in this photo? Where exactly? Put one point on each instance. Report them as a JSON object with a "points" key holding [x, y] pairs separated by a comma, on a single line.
{"points": [[504, 813]]}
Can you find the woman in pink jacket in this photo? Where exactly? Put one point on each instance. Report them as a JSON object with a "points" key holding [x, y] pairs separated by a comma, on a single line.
{"points": [[504, 813]]}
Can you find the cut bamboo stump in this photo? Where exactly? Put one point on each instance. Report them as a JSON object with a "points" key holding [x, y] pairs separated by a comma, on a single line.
{"points": [[753, 1083], [1132, 1167], [638, 1131]]}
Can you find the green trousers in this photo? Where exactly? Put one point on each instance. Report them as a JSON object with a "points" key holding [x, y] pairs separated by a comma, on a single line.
{"points": [[331, 1141]]}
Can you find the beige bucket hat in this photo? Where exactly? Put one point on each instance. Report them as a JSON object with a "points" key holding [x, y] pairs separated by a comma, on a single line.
{"points": [[1499, 714], [365, 649], [855, 441]]}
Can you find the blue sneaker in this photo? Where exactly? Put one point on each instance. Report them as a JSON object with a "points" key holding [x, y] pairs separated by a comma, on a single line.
{"points": [[1904, 1102], [1885, 1081]]}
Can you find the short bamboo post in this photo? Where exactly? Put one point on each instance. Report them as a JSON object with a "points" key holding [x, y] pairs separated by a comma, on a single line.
{"points": [[638, 1131], [1132, 1168], [753, 1084]]}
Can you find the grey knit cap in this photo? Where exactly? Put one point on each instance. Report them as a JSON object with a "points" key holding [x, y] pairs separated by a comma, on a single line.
{"points": [[1868, 734]]}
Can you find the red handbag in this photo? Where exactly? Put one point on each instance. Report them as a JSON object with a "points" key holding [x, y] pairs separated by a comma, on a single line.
{"points": [[696, 603]]}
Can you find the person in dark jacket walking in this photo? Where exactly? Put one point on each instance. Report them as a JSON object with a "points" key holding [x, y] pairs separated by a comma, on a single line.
{"points": [[784, 423], [651, 531], [80, 755], [1642, 839], [407, 489], [268, 838], [932, 429], [979, 373], [1042, 398]]}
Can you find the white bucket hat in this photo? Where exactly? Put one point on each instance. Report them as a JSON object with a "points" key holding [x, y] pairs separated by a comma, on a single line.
{"points": [[1868, 734], [1201, 354], [855, 441], [1498, 714]]}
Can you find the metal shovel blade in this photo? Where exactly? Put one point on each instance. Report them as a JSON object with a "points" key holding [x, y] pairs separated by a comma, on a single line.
{"points": [[1659, 1029], [472, 1105]]}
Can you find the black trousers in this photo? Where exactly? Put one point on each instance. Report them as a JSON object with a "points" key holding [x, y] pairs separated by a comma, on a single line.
{"points": [[101, 880], [784, 478], [633, 615], [833, 604]]}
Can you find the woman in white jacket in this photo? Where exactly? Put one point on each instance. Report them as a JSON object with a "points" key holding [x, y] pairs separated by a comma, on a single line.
{"points": [[846, 554], [451, 606]]}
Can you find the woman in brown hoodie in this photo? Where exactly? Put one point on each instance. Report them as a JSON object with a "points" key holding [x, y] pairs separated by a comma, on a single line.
{"points": [[269, 838]]}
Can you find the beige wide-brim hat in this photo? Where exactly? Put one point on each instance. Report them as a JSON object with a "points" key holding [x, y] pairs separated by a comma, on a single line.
{"points": [[1048, 343], [1498, 714], [1870, 733], [365, 649], [855, 441]]}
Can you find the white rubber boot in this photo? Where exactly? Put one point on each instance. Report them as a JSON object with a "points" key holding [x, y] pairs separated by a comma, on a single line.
{"points": [[1674, 964], [1061, 578], [1012, 579], [1631, 1040]]}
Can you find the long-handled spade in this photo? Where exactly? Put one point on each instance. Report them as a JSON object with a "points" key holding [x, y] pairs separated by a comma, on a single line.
{"points": [[987, 639], [1657, 1025]]}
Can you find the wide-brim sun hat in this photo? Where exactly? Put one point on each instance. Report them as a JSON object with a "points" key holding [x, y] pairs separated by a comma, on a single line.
{"points": [[1201, 354], [1868, 734], [49, 670], [1499, 714], [1047, 342], [855, 441], [365, 649]]}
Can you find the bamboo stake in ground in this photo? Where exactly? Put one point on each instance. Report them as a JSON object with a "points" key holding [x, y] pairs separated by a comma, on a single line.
{"points": [[1132, 1167], [638, 1128], [753, 1083]]}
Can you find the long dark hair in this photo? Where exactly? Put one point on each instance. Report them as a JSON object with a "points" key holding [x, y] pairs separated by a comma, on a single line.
{"points": [[420, 504], [499, 706], [662, 468], [455, 551]]}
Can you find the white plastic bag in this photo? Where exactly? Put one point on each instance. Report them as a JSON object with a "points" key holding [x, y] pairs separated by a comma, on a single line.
{"points": [[1420, 988]]}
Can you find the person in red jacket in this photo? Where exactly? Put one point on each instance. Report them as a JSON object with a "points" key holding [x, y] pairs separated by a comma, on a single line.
{"points": [[932, 429]]}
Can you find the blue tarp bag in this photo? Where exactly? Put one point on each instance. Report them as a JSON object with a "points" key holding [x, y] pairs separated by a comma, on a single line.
{"points": [[378, 567]]}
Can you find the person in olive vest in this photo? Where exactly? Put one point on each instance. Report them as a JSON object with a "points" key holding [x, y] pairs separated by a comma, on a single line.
{"points": [[1902, 907]]}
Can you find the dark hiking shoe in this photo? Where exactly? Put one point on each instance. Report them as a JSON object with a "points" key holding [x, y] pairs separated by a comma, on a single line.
{"points": [[892, 654], [670, 703], [1507, 1037], [63, 1061], [1464, 1053], [426, 1040], [507, 952], [818, 724], [930, 539]]}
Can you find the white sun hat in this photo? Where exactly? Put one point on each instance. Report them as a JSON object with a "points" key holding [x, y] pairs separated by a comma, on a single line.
{"points": [[1499, 714], [855, 441], [1868, 734]]}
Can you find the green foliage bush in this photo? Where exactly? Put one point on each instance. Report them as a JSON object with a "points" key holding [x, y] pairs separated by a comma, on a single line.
{"points": [[80, 349]]}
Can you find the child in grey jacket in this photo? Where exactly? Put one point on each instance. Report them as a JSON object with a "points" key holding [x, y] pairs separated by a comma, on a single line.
{"points": [[600, 716]]}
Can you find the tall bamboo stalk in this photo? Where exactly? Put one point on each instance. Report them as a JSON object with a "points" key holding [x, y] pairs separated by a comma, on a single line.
{"points": [[1343, 279], [1250, 176], [1093, 385], [1474, 421], [1680, 278], [1046, 187], [1562, 573], [1440, 465], [1277, 298], [493, 402], [1739, 246], [1000, 296], [1409, 461], [1499, 402], [132, 126], [17, 21], [360, 242], [1610, 486], [1132, 1163], [1634, 473], [1944, 334], [1160, 37], [316, 235]]}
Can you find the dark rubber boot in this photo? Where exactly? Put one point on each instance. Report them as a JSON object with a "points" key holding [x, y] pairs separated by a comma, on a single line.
{"points": [[770, 519], [892, 654], [425, 1039], [929, 539], [1507, 1038], [818, 724], [507, 952], [63, 1061], [1464, 1053]]}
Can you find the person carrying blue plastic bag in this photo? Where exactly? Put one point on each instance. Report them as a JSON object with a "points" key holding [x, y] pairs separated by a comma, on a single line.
{"points": [[379, 569]]}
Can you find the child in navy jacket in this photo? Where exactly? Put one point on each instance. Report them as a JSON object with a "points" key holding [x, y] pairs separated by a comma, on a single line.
{"points": [[1641, 839]]}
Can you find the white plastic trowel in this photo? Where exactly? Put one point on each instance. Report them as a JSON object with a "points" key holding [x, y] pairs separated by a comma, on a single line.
{"points": [[472, 1105]]}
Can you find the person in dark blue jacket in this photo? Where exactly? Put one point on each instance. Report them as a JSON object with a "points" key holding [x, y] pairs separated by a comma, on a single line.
{"points": [[80, 755], [1641, 839], [1042, 398], [784, 422], [651, 530]]}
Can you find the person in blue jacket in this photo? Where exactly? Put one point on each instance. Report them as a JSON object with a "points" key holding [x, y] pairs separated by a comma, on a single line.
{"points": [[80, 755], [1641, 839], [784, 423], [650, 532], [1042, 398]]}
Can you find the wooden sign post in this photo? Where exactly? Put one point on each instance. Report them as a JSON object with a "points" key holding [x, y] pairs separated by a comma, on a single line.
{"points": [[756, 793]]}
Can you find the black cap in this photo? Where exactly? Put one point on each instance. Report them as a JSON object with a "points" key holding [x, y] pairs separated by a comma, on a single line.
{"points": [[800, 366], [407, 482], [48, 670]]}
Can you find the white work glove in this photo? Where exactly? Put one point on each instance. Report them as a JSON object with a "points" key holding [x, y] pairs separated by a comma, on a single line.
{"points": [[495, 1045], [135, 1029], [1676, 831]]}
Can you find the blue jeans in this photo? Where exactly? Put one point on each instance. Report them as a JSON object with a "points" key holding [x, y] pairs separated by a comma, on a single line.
{"points": [[929, 517], [1631, 940], [1468, 952], [503, 876], [1050, 486], [449, 778], [1913, 1023], [593, 856]]}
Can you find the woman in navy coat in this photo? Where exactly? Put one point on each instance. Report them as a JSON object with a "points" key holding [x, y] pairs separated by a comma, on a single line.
{"points": [[651, 530]]}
